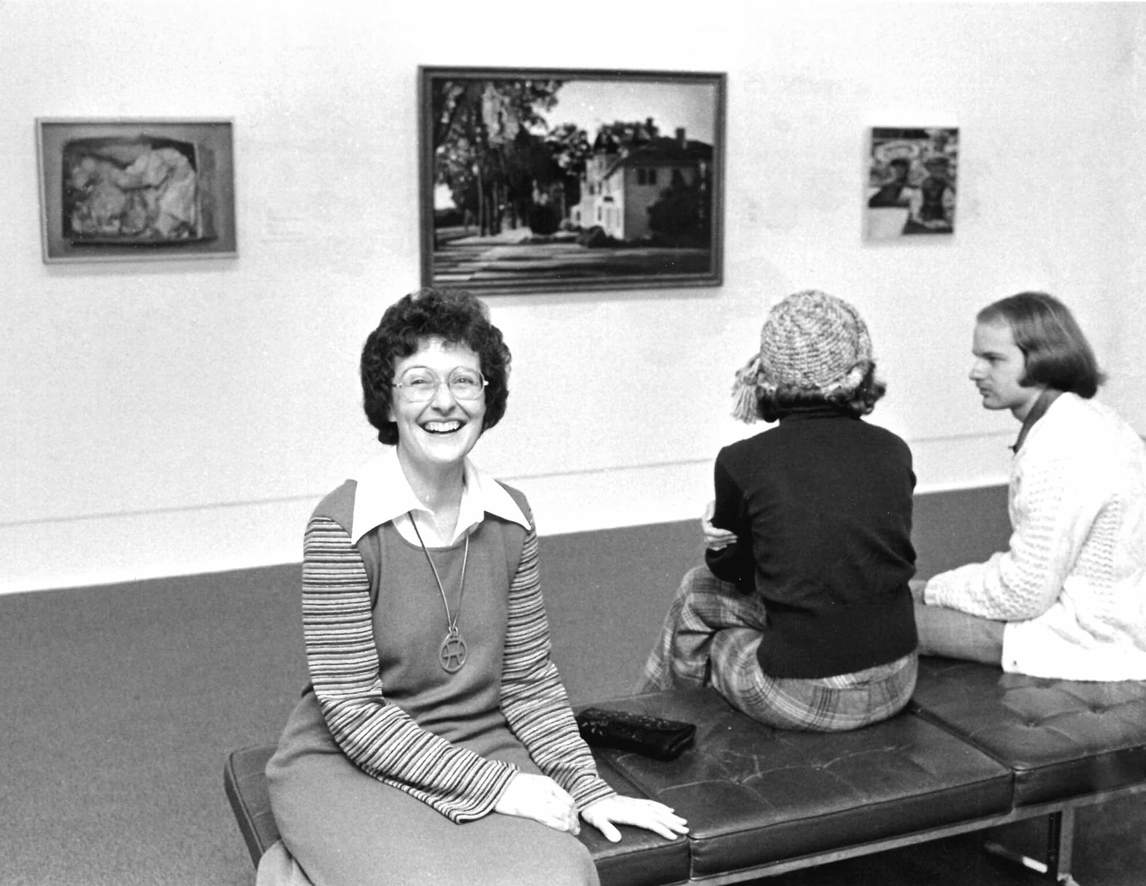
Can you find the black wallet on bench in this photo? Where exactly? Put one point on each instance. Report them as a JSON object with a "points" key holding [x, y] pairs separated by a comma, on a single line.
{"points": [[652, 736]]}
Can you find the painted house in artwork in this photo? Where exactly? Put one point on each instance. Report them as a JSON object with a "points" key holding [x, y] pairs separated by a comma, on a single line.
{"points": [[625, 177]]}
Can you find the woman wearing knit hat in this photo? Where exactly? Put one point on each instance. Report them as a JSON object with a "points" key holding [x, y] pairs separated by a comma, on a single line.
{"points": [[802, 616]]}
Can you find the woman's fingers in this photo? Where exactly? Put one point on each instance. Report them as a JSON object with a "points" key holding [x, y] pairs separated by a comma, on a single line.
{"points": [[543, 800], [648, 814]]}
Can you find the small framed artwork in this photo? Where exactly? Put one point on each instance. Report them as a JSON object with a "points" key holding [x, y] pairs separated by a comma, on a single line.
{"points": [[541, 180], [136, 189], [911, 182]]}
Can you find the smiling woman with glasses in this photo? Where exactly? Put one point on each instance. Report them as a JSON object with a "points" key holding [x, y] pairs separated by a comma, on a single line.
{"points": [[450, 316], [433, 701]]}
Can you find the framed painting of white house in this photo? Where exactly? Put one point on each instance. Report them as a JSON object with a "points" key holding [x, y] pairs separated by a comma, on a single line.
{"points": [[543, 180], [130, 189]]}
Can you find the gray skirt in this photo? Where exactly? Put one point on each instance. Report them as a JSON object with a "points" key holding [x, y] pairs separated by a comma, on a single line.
{"points": [[342, 826]]}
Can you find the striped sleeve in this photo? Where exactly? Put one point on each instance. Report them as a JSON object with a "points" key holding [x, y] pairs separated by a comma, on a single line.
{"points": [[533, 698], [379, 737]]}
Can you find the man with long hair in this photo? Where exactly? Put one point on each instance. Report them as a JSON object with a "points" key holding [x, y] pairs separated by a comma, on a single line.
{"points": [[1067, 598]]}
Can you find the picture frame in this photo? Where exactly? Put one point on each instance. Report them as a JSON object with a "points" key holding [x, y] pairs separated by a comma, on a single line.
{"points": [[547, 180], [911, 182], [136, 189]]}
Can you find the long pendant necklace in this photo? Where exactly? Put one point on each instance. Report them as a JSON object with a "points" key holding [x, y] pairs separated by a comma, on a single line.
{"points": [[452, 652]]}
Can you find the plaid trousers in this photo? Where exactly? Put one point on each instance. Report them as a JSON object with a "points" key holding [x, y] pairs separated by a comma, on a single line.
{"points": [[710, 637]]}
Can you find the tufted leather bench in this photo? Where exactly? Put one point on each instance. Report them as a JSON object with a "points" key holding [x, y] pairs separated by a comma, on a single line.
{"points": [[1062, 739], [1069, 744], [755, 796], [977, 748]]}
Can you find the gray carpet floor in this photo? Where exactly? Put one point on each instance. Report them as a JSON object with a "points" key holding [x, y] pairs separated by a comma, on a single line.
{"points": [[121, 701]]}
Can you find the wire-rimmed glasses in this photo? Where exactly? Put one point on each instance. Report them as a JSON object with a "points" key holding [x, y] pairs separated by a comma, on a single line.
{"points": [[419, 384]]}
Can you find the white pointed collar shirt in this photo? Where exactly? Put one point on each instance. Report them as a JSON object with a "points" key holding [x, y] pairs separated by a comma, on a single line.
{"points": [[384, 495]]}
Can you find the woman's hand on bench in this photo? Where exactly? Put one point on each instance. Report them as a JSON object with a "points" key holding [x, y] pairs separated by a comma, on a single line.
{"points": [[605, 814]]}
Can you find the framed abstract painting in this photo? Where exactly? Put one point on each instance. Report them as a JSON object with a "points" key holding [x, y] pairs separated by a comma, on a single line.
{"points": [[136, 189]]}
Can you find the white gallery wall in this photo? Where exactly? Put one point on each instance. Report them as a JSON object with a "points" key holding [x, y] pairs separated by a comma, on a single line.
{"points": [[181, 416]]}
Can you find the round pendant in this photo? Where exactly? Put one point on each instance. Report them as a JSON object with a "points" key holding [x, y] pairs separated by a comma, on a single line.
{"points": [[452, 653]]}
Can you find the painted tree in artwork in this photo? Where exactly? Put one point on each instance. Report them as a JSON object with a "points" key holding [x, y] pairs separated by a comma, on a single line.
{"points": [[620, 135], [486, 147], [569, 151], [680, 215]]}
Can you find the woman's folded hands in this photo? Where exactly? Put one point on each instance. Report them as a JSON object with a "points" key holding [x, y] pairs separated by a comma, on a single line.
{"points": [[542, 799]]}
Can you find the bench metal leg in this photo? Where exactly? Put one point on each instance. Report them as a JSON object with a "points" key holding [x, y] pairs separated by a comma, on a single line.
{"points": [[1059, 850], [1060, 844]]}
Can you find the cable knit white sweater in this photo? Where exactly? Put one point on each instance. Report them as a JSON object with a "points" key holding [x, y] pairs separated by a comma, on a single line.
{"points": [[1072, 585]]}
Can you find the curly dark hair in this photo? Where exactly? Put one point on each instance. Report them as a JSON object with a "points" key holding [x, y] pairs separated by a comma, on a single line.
{"points": [[453, 315], [860, 401]]}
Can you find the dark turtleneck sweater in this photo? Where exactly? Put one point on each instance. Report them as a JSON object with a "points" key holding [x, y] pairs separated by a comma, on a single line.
{"points": [[821, 506]]}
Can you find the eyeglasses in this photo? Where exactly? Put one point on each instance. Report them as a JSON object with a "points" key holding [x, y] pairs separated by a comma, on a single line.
{"points": [[419, 384]]}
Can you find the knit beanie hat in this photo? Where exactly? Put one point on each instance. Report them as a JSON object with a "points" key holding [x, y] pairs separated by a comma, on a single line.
{"points": [[812, 345]]}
